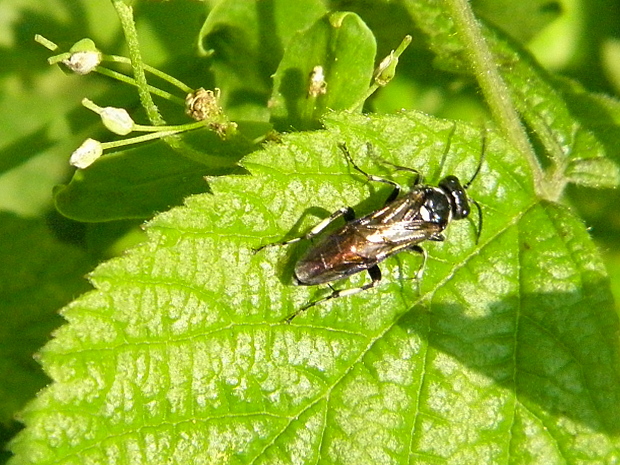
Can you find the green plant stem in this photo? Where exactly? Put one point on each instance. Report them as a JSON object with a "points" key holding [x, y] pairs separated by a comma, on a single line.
{"points": [[139, 139], [125, 14], [48, 44], [493, 87], [394, 56]]}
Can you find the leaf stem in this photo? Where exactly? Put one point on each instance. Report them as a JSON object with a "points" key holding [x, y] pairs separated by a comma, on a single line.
{"points": [[131, 81], [493, 87], [154, 71], [142, 138]]}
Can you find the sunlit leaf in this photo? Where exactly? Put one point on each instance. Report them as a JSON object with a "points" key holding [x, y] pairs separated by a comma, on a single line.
{"points": [[181, 355]]}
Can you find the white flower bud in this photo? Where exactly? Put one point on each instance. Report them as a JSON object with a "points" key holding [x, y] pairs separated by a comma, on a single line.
{"points": [[83, 62], [86, 154], [117, 120]]}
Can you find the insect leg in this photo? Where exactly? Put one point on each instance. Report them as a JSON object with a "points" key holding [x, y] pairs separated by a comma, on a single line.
{"points": [[375, 276], [424, 253], [346, 212], [416, 180], [371, 177]]}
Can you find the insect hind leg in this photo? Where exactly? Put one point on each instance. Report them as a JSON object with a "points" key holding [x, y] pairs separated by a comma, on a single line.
{"points": [[346, 212], [375, 276]]}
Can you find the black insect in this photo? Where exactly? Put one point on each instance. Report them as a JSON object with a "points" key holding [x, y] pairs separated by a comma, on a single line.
{"points": [[361, 244]]}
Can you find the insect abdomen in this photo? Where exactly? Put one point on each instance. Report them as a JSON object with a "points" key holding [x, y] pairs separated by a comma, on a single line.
{"points": [[334, 258]]}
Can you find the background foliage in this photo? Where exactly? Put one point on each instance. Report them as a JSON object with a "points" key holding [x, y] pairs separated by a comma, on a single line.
{"points": [[508, 354]]}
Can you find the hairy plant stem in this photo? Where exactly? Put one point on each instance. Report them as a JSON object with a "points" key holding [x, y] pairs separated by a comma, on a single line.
{"points": [[496, 94]]}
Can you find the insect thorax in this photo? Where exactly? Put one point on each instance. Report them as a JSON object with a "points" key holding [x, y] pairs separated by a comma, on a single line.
{"points": [[437, 207]]}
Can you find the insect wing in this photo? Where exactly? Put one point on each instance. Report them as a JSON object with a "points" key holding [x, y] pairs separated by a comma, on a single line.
{"points": [[335, 257], [403, 209], [392, 238]]}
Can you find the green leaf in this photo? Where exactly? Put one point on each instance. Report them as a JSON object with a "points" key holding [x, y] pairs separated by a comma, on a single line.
{"points": [[598, 172], [38, 275], [600, 114], [344, 48], [245, 42], [509, 352]]}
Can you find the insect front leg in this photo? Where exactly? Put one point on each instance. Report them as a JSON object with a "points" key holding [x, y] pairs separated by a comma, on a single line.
{"points": [[375, 276], [346, 212], [479, 230], [371, 177]]}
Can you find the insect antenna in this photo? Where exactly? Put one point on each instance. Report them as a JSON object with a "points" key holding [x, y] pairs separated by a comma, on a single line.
{"points": [[445, 152], [479, 167]]}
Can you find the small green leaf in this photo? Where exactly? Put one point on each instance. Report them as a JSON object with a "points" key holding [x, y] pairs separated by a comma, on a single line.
{"points": [[509, 352], [596, 172], [344, 49]]}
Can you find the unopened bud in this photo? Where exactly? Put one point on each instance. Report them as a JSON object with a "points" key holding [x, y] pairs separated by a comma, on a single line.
{"points": [[83, 62], [84, 57], [386, 70], [86, 154], [117, 120]]}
